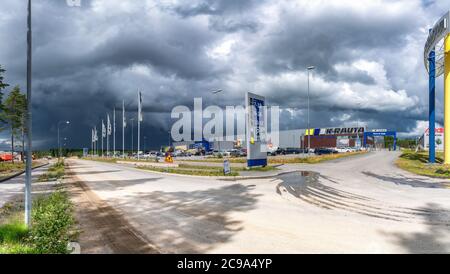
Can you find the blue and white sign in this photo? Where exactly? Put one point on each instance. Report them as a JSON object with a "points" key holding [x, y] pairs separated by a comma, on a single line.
{"points": [[256, 116], [226, 167]]}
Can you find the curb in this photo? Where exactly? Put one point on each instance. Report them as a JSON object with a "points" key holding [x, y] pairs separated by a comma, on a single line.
{"points": [[221, 178], [19, 173]]}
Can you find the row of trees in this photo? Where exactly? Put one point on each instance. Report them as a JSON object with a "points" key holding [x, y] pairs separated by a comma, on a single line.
{"points": [[13, 113]]}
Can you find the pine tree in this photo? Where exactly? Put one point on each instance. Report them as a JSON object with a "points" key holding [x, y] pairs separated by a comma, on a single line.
{"points": [[3, 85], [14, 113]]}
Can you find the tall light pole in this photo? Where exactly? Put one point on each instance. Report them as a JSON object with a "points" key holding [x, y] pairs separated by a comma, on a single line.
{"points": [[357, 129], [310, 68], [132, 136], [28, 174], [59, 143], [216, 92], [170, 138], [145, 141]]}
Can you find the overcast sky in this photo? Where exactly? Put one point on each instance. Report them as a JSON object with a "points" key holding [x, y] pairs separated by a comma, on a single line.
{"points": [[368, 57]]}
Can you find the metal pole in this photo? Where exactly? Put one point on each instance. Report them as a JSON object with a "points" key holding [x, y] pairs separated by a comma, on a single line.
{"points": [[132, 136], [139, 137], [447, 100], [59, 144], [139, 126], [107, 136], [431, 111], [309, 129], [169, 138], [357, 133], [123, 129], [28, 172], [114, 137]]}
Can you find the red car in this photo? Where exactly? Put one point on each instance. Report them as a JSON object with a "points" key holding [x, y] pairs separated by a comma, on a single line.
{"points": [[6, 157]]}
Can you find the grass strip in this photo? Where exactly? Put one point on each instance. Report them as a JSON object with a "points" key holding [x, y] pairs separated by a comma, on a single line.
{"points": [[417, 163], [53, 173], [52, 223]]}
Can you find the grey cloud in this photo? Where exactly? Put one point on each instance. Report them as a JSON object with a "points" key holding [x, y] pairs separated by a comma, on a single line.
{"points": [[85, 64]]}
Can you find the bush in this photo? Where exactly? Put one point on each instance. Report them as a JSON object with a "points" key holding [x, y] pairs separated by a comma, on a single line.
{"points": [[52, 221], [54, 172]]}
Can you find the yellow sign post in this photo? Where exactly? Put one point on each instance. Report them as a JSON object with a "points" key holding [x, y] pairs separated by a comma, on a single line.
{"points": [[447, 100]]}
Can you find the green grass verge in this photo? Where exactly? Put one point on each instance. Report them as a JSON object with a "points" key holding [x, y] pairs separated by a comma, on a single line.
{"points": [[286, 160], [8, 169], [52, 222], [190, 171], [314, 159], [198, 170], [53, 173], [220, 168], [418, 163]]}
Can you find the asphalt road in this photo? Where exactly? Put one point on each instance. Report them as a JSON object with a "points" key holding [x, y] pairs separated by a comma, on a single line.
{"points": [[15, 186], [363, 204]]}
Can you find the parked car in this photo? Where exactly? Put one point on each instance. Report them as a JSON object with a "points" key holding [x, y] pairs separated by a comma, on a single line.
{"points": [[272, 151], [235, 153], [225, 153], [343, 150], [238, 153], [292, 150], [321, 151], [280, 151]]}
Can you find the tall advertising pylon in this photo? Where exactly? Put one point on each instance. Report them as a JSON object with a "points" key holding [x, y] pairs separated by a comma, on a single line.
{"points": [[437, 63]]}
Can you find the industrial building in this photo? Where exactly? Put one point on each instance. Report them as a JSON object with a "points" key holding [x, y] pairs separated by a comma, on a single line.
{"points": [[318, 137]]}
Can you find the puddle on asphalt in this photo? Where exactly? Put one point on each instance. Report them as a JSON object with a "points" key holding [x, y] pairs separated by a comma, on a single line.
{"points": [[297, 183]]}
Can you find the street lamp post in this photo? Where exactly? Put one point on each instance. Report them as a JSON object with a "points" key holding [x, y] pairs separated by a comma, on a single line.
{"points": [[132, 136], [59, 143], [310, 68], [145, 142], [216, 92], [170, 138], [358, 143], [28, 172]]}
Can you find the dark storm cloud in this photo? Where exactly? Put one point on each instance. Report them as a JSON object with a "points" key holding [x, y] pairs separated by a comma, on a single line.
{"points": [[329, 37], [87, 60], [225, 16]]}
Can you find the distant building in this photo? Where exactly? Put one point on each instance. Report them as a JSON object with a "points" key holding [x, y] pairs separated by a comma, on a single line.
{"points": [[298, 138]]}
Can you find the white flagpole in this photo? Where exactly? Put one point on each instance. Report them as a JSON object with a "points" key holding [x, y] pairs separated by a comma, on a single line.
{"points": [[103, 129], [123, 129], [114, 136], [95, 140], [139, 125], [108, 126]]}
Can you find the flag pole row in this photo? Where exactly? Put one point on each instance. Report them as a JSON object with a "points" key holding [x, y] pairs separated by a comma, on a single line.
{"points": [[110, 129]]}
